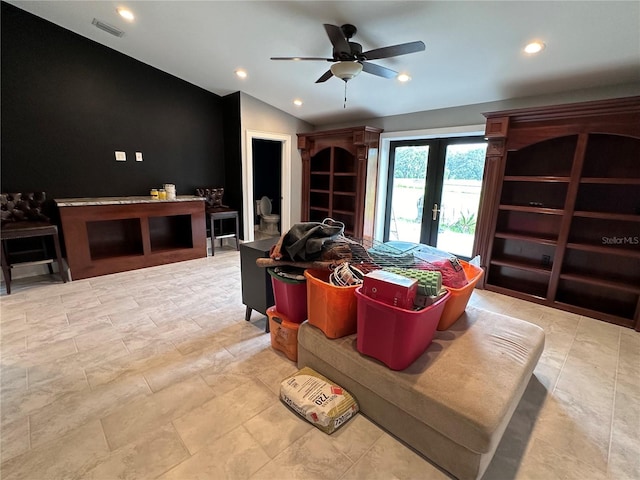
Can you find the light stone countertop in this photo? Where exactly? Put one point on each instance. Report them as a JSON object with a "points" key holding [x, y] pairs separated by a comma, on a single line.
{"points": [[89, 201]]}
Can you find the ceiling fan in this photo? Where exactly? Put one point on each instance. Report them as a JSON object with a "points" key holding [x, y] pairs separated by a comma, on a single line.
{"points": [[349, 59]]}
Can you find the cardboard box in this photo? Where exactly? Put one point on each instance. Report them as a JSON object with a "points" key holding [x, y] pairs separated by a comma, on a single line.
{"points": [[390, 288]]}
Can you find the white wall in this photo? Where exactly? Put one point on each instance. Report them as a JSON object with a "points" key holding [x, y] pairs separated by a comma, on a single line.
{"points": [[257, 116], [472, 114]]}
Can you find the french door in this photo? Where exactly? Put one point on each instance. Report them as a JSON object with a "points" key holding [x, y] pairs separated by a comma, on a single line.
{"points": [[434, 192]]}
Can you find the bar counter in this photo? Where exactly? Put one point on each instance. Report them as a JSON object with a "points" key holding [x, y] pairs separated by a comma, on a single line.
{"points": [[105, 235], [91, 201]]}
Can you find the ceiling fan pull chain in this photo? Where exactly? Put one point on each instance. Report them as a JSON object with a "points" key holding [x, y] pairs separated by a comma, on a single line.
{"points": [[344, 105]]}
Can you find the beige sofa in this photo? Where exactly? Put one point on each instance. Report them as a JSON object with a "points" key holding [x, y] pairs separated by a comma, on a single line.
{"points": [[454, 402]]}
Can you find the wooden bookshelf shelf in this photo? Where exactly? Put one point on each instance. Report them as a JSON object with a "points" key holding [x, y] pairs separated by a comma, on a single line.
{"points": [[536, 179], [524, 208], [527, 238], [522, 266], [611, 181]]}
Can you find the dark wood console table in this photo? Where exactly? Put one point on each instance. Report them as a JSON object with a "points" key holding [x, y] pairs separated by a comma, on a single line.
{"points": [[116, 234]]}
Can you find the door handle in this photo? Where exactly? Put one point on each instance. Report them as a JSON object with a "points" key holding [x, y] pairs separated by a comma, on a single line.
{"points": [[435, 211]]}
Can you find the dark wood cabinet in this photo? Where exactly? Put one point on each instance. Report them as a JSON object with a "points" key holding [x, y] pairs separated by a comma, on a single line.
{"points": [[110, 235], [339, 175], [560, 212]]}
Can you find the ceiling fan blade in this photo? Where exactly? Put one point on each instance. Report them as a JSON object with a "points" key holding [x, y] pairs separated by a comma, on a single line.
{"points": [[378, 70], [326, 76], [303, 58], [394, 50], [337, 38]]}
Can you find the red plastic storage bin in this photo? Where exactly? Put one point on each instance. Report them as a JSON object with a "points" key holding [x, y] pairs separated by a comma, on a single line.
{"points": [[395, 336], [460, 296], [290, 297], [332, 309]]}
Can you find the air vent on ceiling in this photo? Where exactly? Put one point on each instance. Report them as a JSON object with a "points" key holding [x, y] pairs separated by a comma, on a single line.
{"points": [[107, 28]]}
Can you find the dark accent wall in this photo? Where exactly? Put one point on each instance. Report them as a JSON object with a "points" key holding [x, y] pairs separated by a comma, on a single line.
{"points": [[233, 155], [69, 103]]}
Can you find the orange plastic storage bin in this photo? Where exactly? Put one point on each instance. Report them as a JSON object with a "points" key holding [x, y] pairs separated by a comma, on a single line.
{"points": [[460, 296], [284, 334], [396, 336], [332, 309]]}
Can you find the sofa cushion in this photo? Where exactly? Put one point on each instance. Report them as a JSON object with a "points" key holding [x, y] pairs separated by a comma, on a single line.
{"points": [[23, 207], [465, 383]]}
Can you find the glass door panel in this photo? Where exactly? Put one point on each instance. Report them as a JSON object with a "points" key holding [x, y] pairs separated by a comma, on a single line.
{"points": [[407, 199], [434, 192], [462, 182]]}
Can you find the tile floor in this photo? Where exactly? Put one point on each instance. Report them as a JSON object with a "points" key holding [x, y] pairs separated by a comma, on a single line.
{"points": [[155, 374]]}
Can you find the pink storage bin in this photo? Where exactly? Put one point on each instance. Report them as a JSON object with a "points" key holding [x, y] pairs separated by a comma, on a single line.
{"points": [[395, 336], [290, 297]]}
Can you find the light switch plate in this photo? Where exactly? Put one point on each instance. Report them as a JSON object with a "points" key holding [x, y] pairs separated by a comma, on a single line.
{"points": [[121, 157], [138, 156]]}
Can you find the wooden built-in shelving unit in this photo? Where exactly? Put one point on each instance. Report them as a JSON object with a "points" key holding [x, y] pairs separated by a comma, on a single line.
{"points": [[339, 174], [560, 215]]}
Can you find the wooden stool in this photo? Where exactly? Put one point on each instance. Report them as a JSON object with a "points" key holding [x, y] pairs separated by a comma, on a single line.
{"points": [[221, 213]]}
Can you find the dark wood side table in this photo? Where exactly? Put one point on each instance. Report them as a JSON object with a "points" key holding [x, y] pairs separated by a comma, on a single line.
{"points": [[221, 214], [257, 291]]}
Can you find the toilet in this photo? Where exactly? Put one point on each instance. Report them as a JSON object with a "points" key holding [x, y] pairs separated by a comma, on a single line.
{"points": [[268, 222]]}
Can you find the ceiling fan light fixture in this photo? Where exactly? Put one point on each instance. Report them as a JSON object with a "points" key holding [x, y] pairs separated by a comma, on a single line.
{"points": [[346, 70]]}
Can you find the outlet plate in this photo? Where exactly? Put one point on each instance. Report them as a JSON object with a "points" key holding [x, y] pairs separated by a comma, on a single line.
{"points": [[138, 156], [121, 156]]}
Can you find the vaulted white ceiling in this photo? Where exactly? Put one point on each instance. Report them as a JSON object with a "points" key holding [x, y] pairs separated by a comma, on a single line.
{"points": [[473, 49]]}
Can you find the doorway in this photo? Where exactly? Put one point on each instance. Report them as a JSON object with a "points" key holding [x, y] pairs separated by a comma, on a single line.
{"points": [[433, 192], [267, 175], [249, 200]]}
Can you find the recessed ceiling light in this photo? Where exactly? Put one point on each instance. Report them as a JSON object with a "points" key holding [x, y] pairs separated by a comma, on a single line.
{"points": [[241, 73], [534, 47], [125, 13], [297, 102], [403, 77]]}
